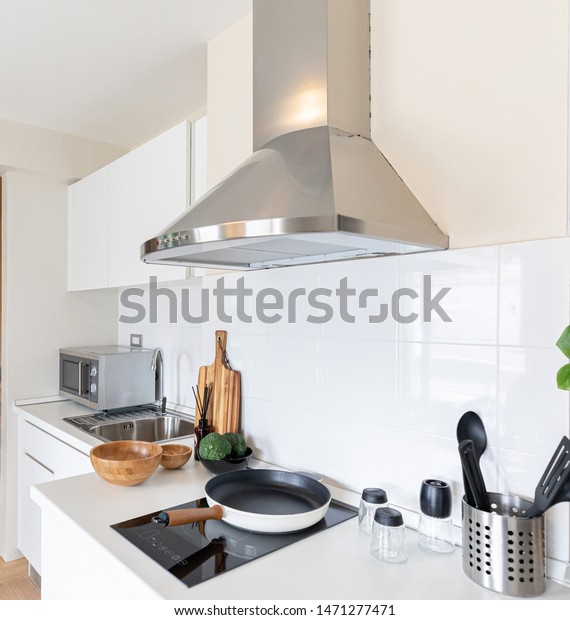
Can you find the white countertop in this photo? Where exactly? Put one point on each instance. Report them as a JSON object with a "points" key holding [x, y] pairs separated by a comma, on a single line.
{"points": [[331, 565]]}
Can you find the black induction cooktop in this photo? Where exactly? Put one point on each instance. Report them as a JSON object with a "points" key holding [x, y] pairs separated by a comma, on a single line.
{"points": [[197, 552]]}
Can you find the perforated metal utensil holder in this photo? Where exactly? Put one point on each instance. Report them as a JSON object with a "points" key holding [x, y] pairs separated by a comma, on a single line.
{"points": [[502, 550]]}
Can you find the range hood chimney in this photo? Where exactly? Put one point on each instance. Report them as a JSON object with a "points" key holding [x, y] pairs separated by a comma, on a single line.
{"points": [[316, 187]]}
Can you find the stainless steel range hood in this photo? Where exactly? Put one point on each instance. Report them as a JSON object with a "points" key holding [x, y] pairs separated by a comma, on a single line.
{"points": [[316, 187]]}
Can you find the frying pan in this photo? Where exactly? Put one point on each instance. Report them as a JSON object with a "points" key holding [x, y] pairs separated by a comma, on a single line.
{"points": [[261, 500]]}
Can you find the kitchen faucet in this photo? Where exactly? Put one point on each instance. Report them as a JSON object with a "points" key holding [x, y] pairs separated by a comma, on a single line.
{"points": [[157, 364]]}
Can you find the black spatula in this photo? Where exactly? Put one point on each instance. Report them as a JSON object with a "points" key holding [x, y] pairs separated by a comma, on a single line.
{"points": [[563, 494], [551, 488]]}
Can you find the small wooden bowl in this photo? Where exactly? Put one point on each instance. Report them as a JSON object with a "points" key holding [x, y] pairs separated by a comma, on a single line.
{"points": [[175, 455], [126, 462]]}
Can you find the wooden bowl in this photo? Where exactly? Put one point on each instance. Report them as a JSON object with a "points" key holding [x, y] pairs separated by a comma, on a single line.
{"points": [[126, 462], [175, 455]]}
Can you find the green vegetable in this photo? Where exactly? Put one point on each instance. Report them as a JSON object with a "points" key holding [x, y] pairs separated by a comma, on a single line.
{"points": [[563, 375], [237, 441], [214, 447]]}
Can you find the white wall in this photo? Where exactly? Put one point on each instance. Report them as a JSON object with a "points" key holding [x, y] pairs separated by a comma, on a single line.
{"points": [[52, 153], [230, 86], [470, 106], [38, 315]]}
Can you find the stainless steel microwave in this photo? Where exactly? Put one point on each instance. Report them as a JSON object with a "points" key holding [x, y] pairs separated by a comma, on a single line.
{"points": [[107, 377]]}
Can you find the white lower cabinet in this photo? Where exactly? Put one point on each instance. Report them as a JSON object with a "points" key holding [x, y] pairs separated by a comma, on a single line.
{"points": [[42, 458]]}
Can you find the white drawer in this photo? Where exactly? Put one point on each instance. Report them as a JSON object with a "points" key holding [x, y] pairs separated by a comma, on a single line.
{"points": [[55, 455]]}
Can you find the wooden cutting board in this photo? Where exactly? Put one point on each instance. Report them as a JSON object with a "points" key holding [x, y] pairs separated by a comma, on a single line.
{"points": [[225, 401]]}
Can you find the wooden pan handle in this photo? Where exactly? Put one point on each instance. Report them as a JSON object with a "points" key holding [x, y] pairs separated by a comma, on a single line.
{"points": [[189, 515]]}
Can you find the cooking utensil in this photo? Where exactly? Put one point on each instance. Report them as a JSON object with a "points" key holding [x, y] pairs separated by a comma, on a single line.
{"points": [[475, 485], [225, 396], [261, 500], [563, 494], [553, 480], [470, 426]]}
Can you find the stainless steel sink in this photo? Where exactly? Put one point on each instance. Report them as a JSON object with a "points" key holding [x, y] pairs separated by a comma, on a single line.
{"points": [[140, 423]]}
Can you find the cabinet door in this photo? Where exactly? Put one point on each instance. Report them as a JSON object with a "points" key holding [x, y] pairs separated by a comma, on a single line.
{"points": [[42, 458], [88, 241], [32, 472], [149, 188]]}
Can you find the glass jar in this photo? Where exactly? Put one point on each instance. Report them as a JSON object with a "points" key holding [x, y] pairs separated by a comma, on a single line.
{"points": [[372, 498], [388, 536]]}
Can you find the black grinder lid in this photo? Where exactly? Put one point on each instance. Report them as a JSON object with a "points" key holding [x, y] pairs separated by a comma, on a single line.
{"points": [[374, 496], [388, 516], [435, 499]]}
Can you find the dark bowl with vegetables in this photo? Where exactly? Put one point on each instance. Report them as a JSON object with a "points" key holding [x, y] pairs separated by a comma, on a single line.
{"points": [[221, 454]]}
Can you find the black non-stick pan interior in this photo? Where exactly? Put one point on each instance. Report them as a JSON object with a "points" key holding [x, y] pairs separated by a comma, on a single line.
{"points": [[269, 492]]}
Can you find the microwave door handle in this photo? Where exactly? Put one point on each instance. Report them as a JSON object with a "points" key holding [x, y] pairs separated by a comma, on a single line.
{"points": [[81, 366]]}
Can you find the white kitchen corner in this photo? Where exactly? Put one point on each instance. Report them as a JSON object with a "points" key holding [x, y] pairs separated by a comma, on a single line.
{"points": [[346, 227]]}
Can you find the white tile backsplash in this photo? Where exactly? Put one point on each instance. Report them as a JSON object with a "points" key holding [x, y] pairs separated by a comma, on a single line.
{"points": [[376, 404], [295, 371], [471, 303], [534, 413], [440, 382], [534, 284], [369, 283], [254, 423], [295, 437], [248, 352], [366, 374], [361, 454]]}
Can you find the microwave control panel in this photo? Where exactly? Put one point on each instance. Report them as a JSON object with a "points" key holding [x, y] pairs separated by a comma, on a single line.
{"points": [[93, 380]]}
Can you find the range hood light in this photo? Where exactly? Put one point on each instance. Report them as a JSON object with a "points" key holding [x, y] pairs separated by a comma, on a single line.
{"points": [[309, 108]]}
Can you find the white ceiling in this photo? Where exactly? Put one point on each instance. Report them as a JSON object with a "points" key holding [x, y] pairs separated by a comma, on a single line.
{"points": [[119, 71]]}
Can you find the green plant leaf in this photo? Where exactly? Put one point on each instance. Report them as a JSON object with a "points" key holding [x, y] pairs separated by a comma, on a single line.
{"points": [[563, 377], [564, 342]]}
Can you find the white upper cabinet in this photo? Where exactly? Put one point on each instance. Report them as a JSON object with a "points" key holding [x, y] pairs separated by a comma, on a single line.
{"points": [[149, 188], [116, 209], [88, 226]]}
